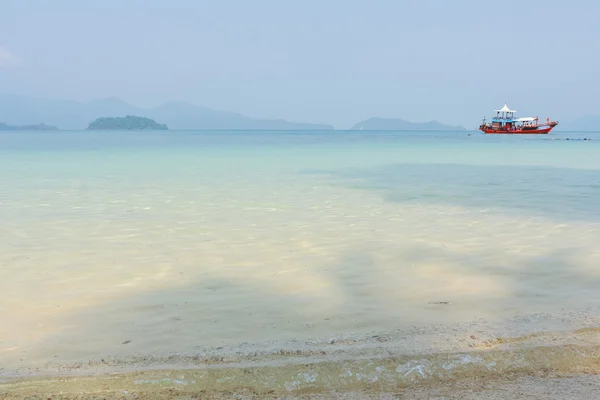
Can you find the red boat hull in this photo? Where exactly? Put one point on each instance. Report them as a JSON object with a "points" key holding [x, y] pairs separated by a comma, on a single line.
{"points": [[539, 131]]}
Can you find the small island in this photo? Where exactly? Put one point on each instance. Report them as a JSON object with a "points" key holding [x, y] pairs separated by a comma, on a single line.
{"points": [[130, 122], [38, 127]]}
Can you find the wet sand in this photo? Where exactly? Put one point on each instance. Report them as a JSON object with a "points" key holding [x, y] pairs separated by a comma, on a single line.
{"points": [[551, 387], [383, 367]]}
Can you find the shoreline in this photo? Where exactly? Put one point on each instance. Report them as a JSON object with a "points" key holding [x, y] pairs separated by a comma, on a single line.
{"points": [[536, 360], [578, 381], [577, 327], [547, 387]]}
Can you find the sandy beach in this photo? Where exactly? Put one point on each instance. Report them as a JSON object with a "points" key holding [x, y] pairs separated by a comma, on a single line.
{"points": [[541, 365], [579, 387]]}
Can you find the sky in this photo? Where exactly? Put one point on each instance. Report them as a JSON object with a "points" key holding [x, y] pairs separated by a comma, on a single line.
{"points": [[322, 61]]}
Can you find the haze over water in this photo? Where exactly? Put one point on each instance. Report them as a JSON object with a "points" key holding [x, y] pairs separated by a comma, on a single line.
{"points": [[151, 244]]}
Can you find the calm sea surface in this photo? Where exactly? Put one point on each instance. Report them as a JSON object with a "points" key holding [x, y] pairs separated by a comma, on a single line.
{"points": [[124, 243]]}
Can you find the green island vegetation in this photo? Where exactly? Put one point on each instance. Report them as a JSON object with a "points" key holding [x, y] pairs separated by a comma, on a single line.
{"points": [[129, 122]]}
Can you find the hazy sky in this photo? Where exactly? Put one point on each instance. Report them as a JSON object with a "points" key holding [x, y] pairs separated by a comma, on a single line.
{"points": [[329, 61]]}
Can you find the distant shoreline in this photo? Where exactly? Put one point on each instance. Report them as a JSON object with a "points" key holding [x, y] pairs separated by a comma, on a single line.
{"points": [[308, 131], [74, 115], [29, 127], [250, 130]]}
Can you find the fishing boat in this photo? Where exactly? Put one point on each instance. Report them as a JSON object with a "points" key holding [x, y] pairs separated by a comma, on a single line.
{"points": [[505, 123]]}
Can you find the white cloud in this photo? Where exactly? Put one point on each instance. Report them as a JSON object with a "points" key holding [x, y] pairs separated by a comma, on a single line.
{"points": [[7, 58]]}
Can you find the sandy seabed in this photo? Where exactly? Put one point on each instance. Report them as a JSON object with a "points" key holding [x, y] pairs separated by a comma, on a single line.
{"points": [[298, 287]]}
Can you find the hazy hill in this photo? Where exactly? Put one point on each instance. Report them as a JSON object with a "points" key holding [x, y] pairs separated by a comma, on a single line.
{"points": [[37, 127], [20, 110], [130, 122], [585, 123], [396, 124]]}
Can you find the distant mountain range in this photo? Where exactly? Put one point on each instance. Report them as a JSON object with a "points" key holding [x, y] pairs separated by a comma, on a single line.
{"points": [[21, 110], [585, 123], [27, 113], [395, 124]]}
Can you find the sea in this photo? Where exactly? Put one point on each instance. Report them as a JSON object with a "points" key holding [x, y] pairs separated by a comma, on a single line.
{"points": [[305, 255]]}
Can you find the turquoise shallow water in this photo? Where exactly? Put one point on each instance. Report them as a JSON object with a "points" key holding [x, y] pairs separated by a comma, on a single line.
{"points": [[175, 241], [547, 174]]}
